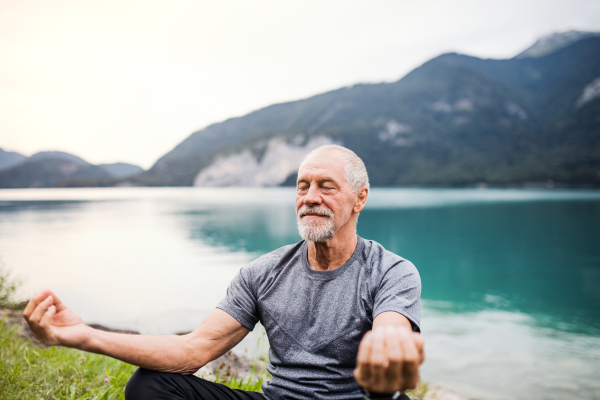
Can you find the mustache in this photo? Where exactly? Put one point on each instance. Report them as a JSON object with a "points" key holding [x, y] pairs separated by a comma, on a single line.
{"points": [[323, 211]]}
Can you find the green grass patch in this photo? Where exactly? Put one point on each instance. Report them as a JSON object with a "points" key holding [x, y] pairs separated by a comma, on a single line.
{"points": [[28, 371], [31, 372]]}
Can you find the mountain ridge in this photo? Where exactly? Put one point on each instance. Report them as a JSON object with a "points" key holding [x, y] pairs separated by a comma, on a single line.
{"points": [[455, 120], [9, 159], [553, 42], [60, 169]]}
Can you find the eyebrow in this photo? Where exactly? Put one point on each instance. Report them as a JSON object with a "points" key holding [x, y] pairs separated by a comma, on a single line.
{"points": [[328, 179], [325, 179]]}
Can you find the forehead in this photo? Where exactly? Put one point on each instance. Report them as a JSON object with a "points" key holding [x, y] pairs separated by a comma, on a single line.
{"points": [[328, 165]]}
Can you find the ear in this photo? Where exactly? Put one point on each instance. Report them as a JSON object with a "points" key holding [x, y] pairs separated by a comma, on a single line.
{"points": [[361, 199]]}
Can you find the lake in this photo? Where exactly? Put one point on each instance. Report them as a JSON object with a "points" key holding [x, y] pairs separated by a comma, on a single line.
{"points": [[511, 278]]}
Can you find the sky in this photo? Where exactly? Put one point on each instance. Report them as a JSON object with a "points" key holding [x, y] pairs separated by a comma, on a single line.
{"points": [[126, 81]]}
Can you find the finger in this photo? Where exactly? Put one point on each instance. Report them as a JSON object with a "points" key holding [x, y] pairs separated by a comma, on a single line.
{"points": [[33, 303], [42, 331], [411, 359], [419, 343], [362, 373], [379, 361], [59, 304], [47, 317], [39, 311], [395, 357]]}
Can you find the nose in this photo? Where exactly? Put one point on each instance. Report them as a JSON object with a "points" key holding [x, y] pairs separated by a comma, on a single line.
{"points": [[312, 197]]}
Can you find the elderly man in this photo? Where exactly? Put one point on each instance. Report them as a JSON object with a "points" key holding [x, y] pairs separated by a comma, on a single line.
{"points": [[341, 313]]}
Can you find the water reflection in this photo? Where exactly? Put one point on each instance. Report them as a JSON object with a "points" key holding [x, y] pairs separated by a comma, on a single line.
{"points": [[497, 354], [11, 207], [252, 228]]}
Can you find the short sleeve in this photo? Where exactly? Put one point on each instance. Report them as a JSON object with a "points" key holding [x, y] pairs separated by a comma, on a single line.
{"points": [[240, 301], [400, 290]]}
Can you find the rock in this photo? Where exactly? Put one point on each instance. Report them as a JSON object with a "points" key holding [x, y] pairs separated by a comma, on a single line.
{"points": [[440, 393], [106, 329], [14, 319], [276, 161], [230, 366]]}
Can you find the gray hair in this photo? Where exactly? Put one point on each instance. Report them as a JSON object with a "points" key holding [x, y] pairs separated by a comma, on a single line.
{"points": [[356, 172]]}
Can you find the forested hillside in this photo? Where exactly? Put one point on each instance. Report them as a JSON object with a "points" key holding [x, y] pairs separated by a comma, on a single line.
{"points": [[456, 120], [59, 169]]}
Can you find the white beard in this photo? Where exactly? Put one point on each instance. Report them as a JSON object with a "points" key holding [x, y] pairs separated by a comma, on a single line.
{"points": [[316, 231]]}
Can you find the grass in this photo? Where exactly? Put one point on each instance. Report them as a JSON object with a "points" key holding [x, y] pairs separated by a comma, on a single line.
{"points": [[253, 383], [28, 371], [31, 372], [419, 392]]}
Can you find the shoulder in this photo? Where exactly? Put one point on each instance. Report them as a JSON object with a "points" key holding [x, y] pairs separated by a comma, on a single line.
{"points": [[380, 262], [265, 264]]}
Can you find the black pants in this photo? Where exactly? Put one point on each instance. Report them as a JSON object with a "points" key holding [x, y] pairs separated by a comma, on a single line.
{"points": [[152, 385]]}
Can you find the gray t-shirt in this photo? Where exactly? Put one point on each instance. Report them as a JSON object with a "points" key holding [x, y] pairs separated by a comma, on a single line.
{"points": [[316, 319]]}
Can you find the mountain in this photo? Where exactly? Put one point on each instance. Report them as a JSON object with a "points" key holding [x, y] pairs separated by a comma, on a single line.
{"points": [[58, 155], [9, 159], [556, 41], [121, 170], [60, 169], [51, 172], [456, 120]]}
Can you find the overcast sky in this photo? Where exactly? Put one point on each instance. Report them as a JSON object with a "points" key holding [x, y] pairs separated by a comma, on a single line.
{"points": [[119, 80]]}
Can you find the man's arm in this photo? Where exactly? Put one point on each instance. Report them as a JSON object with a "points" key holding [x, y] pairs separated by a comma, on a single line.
{"points": [[389, 356], [55, 324]]}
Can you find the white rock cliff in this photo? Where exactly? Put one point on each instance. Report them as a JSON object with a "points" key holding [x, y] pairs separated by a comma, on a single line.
{"points": [[280, 159]]}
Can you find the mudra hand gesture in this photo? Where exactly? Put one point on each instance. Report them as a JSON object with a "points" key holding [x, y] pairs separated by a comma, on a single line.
{"points": [[388, 360], [52, 323]]}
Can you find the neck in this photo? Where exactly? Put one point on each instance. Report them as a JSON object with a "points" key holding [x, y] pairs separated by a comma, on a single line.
{"points": [[326, 256]]}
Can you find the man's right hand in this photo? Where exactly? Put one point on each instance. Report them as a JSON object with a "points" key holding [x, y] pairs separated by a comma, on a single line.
{"points": [[388, 359], [53, 323]]}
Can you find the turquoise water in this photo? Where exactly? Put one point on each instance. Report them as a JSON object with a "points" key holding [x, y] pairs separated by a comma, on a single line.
{"points": [[511, 278]]}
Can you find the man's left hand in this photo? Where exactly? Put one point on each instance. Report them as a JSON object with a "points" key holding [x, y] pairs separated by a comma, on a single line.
{"points": [[388, 360]]}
